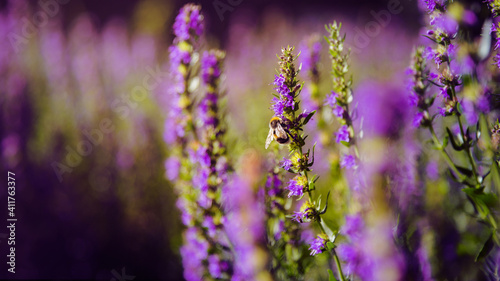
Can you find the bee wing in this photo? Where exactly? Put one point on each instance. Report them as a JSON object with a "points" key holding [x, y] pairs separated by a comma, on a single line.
{"points": [[269, 138], [280, 132]]}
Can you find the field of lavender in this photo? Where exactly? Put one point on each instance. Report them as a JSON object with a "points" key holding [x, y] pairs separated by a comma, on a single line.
{"points": [[225, 141]]}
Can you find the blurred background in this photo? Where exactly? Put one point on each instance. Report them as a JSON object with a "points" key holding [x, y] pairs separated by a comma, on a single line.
{"points": [[91, 195]]}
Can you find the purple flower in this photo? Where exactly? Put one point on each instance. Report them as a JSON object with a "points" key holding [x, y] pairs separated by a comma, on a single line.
{"points": [[417, 120], [296, 187], [273, 184], [281, 88], [353, 226], [348, 161], [444, 92], [214, 266], [208, 223], [210, 69], [298, 216], [193, 252], [310, 55], [445, 23], [317, 245], [188, 22], [172, 167], [278, 106], [286, 164], [343, 134]]}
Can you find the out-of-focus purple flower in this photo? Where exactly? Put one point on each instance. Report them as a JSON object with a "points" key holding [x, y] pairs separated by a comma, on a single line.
{"points": [[273, 184], [193, 252], [244, 227], [343, 134], [317, 245], [432, 170], [425, 266], [331, 100], [296, 186], [189, 22], [214, 266], [286, 164], [446, 24], [208, 223], [210, 68], [353, 226], [469, 17], [348, 161], [172, 166], [310, 54], [186, 215], [417, 120]]}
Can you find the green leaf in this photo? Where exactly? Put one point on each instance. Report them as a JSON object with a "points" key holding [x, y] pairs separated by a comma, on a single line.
{"points": [[328, 231], [488, 245], [326, 204], [330, 276], [456, 146], [308, 117], [330, 246], [345, 143], [445, 141]]}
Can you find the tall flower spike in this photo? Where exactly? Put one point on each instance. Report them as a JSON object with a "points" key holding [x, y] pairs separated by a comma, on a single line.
{"points": [[198, 163], [289, 88]]}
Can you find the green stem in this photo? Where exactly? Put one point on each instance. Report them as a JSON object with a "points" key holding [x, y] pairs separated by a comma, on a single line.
{"points": [[339, 267], [446, 156], [467, 150]]}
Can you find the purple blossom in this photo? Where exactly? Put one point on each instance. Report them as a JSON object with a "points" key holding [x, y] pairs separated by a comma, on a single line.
{"points": [[188, 22], [445, 23], [353, 226], [208, 223], [193, 252], [172, 167], [286, 164], [343, 134], [281, 87], [417, 120], [348, 161], [210, 69], [317, 245], [273, 184], [310, 55], [278, 106], [214, 266], [295, 188], [298, 216], [331, 100]]}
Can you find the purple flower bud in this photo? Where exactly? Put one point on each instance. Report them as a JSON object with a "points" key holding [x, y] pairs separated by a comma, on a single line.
{"points": [[348, 161], [317, 245], [286, 164], [343, 134], [188, 22], [417, 120], [296, 186]]}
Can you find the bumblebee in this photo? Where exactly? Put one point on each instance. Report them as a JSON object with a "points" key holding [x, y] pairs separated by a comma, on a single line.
{"points": [[277, 132]]}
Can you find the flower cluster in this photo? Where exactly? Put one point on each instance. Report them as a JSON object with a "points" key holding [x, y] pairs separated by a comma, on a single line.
{"points": [[198, 164], [300, 163], [341, 95]]}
